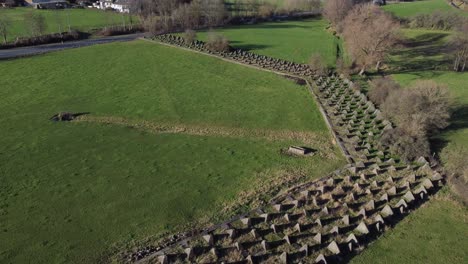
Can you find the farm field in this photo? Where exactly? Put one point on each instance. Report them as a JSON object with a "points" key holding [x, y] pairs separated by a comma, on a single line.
{"points": [[171, 137], [80, 19], [290, 40], [408, 9]]}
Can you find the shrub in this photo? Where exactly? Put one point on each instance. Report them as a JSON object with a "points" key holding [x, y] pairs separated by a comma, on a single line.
{"points": [[119, 30], [409, 147], [217, 42], [343, 68], [266, 10], [437, 20], [380, 88], [318, 65], [422, 109], [190, 36]]}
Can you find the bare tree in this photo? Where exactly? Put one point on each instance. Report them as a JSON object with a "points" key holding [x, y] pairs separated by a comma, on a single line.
{"points": [[422, 109], [336, 10], [318, 65], [380, 88], [370, 33], [35, 23], [459, 47], [190, 36], [5, 24], [217, 42]]}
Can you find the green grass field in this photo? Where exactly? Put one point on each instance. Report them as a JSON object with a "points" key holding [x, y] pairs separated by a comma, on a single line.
{"points": [[409, 9], [74, 192], [291, 40], [436, 233], [80, 19]]}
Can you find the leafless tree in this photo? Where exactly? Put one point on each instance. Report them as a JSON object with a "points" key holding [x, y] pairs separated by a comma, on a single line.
{"points": [[217, 42], [5, 24], [380, 88], [370, 33], [190, 36], [266, 10], [35, 23], [422, 109], [336, 10], [302, 5], [459, 47], [318, 65]]}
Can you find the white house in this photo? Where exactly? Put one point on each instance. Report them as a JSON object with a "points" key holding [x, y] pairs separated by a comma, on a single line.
{"points": [[122, 6]]}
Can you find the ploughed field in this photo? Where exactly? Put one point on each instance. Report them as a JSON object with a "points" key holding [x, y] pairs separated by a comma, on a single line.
{"points": [[58, 20], [289, 40], [171, 137]]}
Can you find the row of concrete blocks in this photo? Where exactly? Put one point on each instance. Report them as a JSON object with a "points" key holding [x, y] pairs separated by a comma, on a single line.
{"points": [[353, 223], [242, 56], [360, 121]]}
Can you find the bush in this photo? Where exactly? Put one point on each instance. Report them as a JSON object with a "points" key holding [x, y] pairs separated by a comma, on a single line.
{"points": [[119, 30], [44, 39], [190, 36], [217, 42], [437, 20], [343, 68], [380, 88], [409, 147], [266, 10], [318, 65], [422, 109]]}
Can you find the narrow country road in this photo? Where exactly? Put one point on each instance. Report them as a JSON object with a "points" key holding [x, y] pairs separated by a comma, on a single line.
{"points": [[40, 49]]}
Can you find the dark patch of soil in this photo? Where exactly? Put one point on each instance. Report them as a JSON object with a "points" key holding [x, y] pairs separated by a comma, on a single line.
{"points": [[66, 116]]}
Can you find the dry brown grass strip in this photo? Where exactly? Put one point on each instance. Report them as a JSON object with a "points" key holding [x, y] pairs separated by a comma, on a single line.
{"points": [[320, 141]]}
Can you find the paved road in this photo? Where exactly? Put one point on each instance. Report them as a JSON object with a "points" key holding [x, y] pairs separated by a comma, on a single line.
{"points": [[34, 50]]}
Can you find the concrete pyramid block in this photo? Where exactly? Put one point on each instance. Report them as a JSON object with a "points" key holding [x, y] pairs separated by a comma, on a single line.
{"points": [[318, 238], [255, 233], [284, 258], [321, 259], [265, 245], [163, 259], [232, 233], [386, 211], [362, 228], [409, 197], [305, 249], [427, 184], [209, 238], [190, 253], [384, 197], [334, 248], [247, 221]]}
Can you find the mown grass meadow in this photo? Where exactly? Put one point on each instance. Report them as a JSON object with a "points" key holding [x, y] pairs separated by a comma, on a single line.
{"points": [[75, 192]]}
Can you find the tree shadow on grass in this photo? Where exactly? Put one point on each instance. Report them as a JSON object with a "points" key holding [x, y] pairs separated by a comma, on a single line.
{"points": [[422, 53], [250, 47], [458, 121]]}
